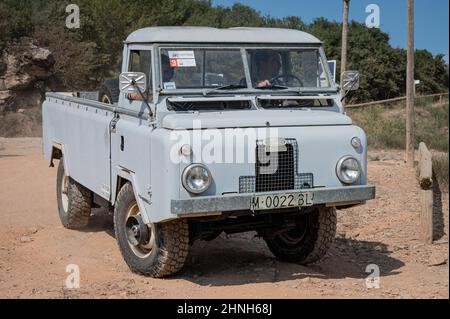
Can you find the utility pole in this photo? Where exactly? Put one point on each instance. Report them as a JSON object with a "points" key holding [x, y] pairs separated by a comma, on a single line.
{"points": [[344, 44], [410, 83]]}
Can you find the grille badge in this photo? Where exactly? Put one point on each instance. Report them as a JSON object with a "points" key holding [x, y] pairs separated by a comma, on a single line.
{"points": [[275, 145]]}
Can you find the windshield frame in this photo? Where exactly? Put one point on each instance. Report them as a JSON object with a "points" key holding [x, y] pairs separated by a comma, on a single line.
{"points": [[243, 50]]}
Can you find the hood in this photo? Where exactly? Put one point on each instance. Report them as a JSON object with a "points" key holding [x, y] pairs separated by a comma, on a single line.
{"points": [[255, 118]]}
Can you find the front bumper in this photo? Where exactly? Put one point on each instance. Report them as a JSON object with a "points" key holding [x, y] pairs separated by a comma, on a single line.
{"points": [[339, 196]]}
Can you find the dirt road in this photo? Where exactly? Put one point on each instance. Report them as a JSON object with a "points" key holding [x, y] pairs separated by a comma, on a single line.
{"points": [[35, 249]]}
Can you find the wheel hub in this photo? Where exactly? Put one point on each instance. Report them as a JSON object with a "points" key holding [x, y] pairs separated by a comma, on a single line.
{"points": [[137, 231]]}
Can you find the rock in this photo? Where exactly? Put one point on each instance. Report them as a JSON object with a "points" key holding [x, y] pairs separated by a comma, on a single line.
{"points": [[380, 248], [401, 247], [437, 259], [26, 239], [33, 230], [441, 242], [24, 66], [355, 235]]}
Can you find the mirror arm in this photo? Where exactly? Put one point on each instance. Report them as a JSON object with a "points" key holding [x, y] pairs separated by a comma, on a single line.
{"points": [[143, 98], [348, 91]]}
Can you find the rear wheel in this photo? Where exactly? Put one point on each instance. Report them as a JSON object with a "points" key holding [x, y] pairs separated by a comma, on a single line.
{"points": [[155, 250], [309, 241], [109, 92], [74, 200]]}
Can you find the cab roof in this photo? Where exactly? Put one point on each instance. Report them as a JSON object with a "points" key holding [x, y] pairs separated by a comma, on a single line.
{"points": [[214, 35]]}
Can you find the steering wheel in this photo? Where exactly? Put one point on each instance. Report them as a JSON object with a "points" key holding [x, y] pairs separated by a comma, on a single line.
{"points": [[276, 79]]}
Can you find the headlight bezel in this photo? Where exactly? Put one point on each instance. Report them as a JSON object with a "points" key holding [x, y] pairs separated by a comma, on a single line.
{"points": [[184, 180], [339, 171]]}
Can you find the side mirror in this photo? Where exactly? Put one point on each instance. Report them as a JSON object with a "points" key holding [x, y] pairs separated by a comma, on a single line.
{"points": [[132, 82], [350, 80]]}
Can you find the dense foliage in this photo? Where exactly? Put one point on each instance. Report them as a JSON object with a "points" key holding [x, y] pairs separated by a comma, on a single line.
{"points": [[92, 53]]}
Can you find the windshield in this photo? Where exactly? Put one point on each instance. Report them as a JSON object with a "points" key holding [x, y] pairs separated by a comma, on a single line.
{"points": [[201, 68]]}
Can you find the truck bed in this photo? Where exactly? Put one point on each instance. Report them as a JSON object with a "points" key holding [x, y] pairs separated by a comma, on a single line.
{"points": [[80, 128]]}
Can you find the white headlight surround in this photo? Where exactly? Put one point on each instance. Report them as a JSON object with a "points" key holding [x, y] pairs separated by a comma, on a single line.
{"points": [[348, 170], [196, 178]]}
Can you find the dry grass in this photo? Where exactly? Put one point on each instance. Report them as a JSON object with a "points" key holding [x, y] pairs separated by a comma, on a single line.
{"points": [[441, 170], [385, 124]]}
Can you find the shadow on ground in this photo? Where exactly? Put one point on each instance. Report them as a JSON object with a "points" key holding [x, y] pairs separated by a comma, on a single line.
{"points": [[218, 262], [244, 258], [100, 221], [438, 216]]}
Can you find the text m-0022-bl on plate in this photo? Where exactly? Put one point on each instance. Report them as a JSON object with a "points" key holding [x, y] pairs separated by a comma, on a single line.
{"points": [[265, 202]]}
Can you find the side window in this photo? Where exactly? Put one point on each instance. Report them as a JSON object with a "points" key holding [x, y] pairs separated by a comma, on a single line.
{"points": [[141, 61]]}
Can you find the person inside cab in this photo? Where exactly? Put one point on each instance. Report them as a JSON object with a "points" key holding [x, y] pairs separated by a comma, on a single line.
{"points": [[268, 66]]}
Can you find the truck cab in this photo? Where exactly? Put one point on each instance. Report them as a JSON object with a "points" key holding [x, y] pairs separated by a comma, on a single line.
{"points": [[214, 130]]}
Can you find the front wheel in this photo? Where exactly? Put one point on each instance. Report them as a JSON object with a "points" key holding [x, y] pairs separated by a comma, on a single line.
{"points": [[309, 241], [155, 250]]}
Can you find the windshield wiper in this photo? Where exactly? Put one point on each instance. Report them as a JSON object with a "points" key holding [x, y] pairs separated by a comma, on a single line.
{"points": [[226, 87], [273, 87]]}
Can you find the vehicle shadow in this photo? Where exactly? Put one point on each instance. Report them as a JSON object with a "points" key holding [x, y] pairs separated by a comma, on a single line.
{"points": [[100, 221], [244, 259], [438, 216]]}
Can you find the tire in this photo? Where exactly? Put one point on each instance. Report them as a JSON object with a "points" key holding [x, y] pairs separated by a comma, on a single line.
{"points": [[74, 200], [310, 241], [167, 247], [109, 92]]}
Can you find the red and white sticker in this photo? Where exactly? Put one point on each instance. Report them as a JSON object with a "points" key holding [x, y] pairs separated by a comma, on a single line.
{"points": [[182, 59]]}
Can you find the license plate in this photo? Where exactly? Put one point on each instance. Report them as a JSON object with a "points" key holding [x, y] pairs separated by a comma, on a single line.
{"points": [[264, 202]]}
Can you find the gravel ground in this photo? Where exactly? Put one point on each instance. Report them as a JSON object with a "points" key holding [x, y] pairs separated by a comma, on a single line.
{"points": [[382, 235]]}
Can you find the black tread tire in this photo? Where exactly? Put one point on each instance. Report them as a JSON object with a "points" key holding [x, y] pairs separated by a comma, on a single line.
{"points": [[79, 204], [171, 241], [316, 242], [110, 89]]}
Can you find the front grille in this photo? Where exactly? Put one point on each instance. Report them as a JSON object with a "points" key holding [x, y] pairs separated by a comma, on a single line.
{"points": [[276, 171]]}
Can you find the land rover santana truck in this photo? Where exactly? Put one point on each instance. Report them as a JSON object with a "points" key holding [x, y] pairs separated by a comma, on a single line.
{"points": [[214, 131]]}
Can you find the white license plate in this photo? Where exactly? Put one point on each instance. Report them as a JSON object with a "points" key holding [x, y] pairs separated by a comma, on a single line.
{"points": [[264, 202]]}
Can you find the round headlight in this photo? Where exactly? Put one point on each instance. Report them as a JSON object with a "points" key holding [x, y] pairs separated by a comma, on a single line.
{"points": [[348, 170], [196, 178]]}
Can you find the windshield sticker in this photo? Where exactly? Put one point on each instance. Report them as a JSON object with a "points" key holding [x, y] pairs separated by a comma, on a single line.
{"points": [[182, 59], [170, 86]]}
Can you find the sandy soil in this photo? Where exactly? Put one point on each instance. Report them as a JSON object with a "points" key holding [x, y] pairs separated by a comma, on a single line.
{"points": [[35, 249]]}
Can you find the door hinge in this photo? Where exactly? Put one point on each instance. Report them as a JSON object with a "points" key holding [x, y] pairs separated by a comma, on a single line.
{"points": [[114, 124]]}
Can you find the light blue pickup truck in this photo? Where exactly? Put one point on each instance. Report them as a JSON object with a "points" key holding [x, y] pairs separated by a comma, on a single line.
{"points": [[210, 131]]}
